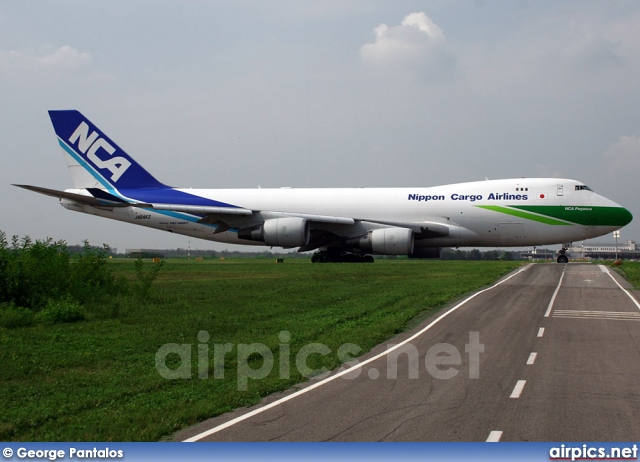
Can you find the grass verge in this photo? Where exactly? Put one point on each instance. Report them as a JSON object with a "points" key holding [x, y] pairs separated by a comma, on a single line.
{"points": [[631, 271]]}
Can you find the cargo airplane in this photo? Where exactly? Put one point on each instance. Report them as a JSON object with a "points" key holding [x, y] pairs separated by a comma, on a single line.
{"points": [[340, 224]]}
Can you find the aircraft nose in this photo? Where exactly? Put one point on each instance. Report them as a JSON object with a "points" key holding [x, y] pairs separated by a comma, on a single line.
{"points": [[616, 215], [624, 216]]}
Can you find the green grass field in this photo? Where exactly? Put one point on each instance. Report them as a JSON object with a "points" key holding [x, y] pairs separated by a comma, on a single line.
{"points": [[96, 380], [631, 271]]}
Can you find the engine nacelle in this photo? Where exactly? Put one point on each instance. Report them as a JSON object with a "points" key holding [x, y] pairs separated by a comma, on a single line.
{"points": [[388, 241], [282, 232], [286, 232], [426, 252]]}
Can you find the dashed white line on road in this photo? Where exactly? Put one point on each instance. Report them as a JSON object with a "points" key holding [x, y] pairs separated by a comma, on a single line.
{"points": [[494, 436], [517, 391], [541, 332], [532, 358]]}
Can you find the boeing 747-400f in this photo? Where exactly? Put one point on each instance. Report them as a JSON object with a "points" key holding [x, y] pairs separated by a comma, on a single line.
{"points": [[341, 224]]}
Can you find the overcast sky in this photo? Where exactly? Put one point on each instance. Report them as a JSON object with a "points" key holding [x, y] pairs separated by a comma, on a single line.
{"points": [[318, 94]]}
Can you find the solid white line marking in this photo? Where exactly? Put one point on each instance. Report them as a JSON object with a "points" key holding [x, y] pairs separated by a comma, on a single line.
{"points": [[532, 358], [518, 389], [541, 332], [494, 436], [248, 415], [553, 299], [633, 299]]}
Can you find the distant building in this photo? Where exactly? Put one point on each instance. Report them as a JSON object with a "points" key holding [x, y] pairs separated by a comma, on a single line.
{"points": [[606, 251], [539, 254]]}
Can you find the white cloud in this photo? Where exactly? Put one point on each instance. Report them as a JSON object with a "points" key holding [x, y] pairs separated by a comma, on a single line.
{"points": [[56, 72], [17, 63], [65, 56], [424, 23], [416, 44]]}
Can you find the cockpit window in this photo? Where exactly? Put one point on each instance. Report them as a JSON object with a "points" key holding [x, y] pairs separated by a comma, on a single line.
{"points": [[583, 187]]}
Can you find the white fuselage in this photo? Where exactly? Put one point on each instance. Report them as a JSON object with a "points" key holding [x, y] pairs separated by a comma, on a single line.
{"points": [[505, 213]]}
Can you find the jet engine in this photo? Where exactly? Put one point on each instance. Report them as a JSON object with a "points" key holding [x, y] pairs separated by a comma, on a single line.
{"points": [[282, 232], [387, 241]]}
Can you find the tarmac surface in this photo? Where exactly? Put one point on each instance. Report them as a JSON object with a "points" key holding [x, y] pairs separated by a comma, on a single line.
{"points": [[551, 353]]}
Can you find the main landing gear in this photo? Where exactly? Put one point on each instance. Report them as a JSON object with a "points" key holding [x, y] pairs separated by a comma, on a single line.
{"points": [[562, 258], [334, 257]]}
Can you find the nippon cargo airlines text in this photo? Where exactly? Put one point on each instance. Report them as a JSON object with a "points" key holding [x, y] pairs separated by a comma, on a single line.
{"points": [[469, 197]]}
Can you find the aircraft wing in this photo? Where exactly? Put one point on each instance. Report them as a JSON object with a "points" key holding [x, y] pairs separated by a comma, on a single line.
{"points": [[422, 230], [233, 218], [216, 215], [197, 209]]}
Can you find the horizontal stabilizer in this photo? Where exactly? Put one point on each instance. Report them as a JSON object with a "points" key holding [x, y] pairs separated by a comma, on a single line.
{"points": [[110, 201]]}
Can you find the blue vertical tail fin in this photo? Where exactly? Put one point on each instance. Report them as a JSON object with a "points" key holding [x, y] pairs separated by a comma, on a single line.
{"points": [[94, 160]]}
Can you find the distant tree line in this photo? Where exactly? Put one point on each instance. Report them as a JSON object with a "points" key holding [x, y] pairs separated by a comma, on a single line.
{"points": [[447, 254], [226, 254]]}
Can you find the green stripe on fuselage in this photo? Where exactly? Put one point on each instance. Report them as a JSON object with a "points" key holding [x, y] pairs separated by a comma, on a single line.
{"points": [[526, 215], [583, 215], [561, 215]]}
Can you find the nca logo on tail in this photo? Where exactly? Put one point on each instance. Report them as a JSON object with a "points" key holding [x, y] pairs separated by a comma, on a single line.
{"points": [[89, 145]]}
